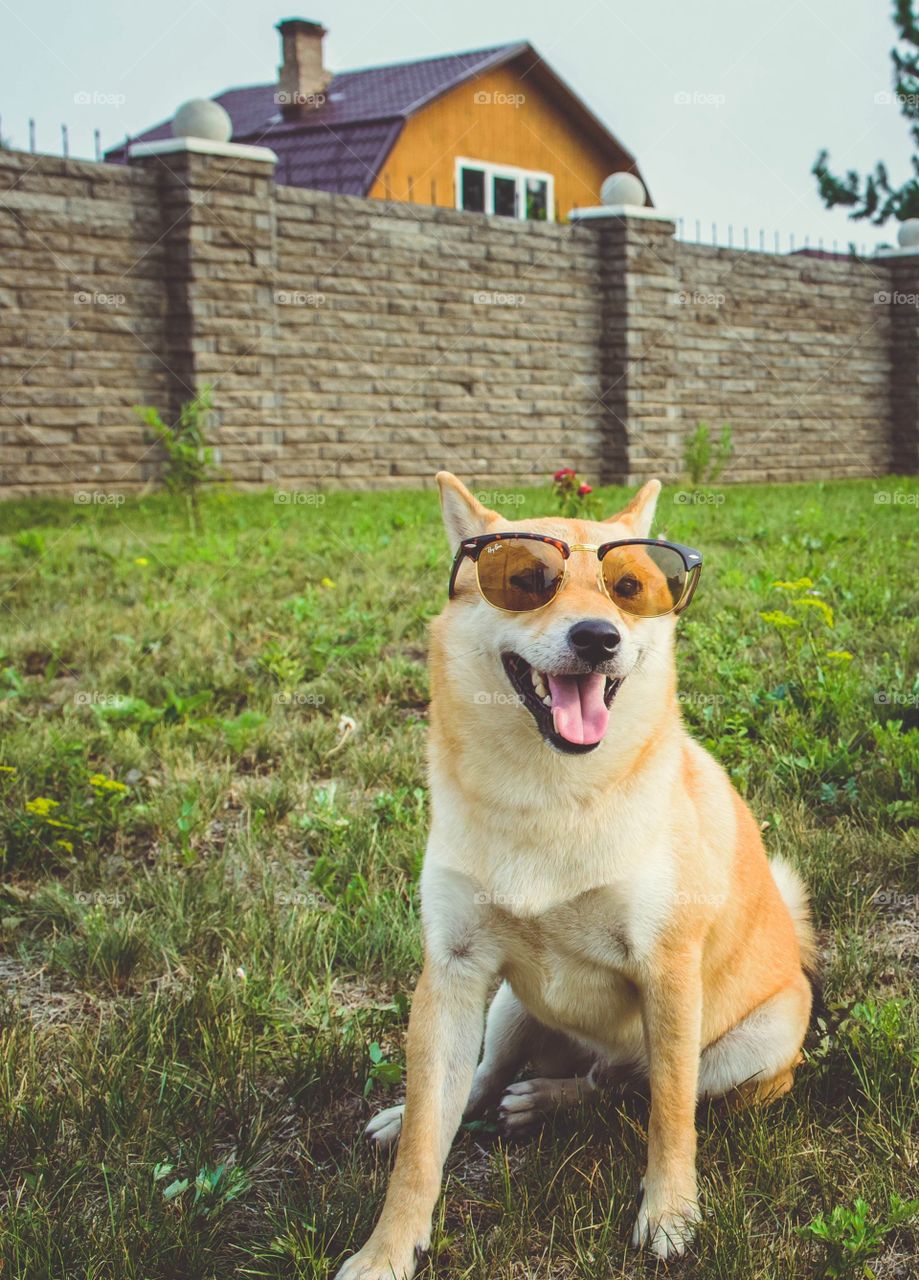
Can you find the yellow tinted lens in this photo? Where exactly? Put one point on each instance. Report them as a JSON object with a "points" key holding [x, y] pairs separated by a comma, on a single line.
{"points": [[644, 580], [520, 574]]}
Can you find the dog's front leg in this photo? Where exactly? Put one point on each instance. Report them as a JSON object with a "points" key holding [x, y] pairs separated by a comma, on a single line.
{"points": [[444, 1037], [672, 1014]]}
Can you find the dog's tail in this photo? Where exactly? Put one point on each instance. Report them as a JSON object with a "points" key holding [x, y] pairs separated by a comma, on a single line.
{"points": [[797, 900]]}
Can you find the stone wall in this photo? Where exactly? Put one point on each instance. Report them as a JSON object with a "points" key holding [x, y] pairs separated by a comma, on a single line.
{"points": [[352, 343], [82, 308]]}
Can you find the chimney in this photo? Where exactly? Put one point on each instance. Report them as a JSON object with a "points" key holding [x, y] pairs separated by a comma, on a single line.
{"points": [[302, 79]]}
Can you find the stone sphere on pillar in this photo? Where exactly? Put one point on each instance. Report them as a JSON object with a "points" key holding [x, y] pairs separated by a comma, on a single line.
{"points": [[623, 188], [202, 118], [908, 234]]}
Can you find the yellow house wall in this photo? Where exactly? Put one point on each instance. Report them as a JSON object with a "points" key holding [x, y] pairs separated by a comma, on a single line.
{"points": [[483, 119]]}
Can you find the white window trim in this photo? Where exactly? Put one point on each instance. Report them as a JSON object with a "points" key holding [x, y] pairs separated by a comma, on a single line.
{"points": [[492, 171]]}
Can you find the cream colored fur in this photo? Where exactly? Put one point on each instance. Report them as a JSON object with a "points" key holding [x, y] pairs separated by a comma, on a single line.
{"points": [[623, 896]]}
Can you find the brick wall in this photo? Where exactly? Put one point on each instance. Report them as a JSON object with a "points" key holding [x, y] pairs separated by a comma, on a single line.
{"points": [[352, 343]]}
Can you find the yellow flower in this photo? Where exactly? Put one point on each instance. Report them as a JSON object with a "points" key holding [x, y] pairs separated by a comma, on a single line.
{"points": [[7, 768], [810, 602], [65, 845], [326, 582], [779, 619], [106, 784], [800, 584], [141, 560], [841, 655], [41, 806]]}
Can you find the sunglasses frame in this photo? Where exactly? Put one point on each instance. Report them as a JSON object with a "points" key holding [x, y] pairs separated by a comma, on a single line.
{"points": [[472, 548]]}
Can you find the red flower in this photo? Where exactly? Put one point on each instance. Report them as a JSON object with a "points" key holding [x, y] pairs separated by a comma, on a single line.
{"points": [[565, 471], [584, 490]]}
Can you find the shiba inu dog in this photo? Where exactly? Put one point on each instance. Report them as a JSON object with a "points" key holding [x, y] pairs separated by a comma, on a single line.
{"points": [[591, 857]]}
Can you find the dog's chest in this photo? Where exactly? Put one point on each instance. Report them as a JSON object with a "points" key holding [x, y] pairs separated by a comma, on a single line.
{"points": [[576, 965]]}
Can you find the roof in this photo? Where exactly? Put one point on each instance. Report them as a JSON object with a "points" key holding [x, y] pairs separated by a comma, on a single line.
{"points": [[342, 145]]}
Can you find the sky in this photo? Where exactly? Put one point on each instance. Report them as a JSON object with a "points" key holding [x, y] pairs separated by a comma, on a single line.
{"points": [[725, 105]]}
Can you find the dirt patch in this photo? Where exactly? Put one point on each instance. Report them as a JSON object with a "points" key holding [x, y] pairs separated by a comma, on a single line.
{"points": [[46, 1004]]}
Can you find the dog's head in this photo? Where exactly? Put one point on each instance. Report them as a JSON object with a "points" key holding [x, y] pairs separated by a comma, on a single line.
{"points": [[559, 667]]}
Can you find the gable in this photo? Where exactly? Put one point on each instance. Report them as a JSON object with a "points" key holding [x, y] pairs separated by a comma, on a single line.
{"points": [[502, 117]]}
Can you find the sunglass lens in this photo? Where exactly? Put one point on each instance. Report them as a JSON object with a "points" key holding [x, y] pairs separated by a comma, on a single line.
{"points": [[647, 581], [519, 573]]}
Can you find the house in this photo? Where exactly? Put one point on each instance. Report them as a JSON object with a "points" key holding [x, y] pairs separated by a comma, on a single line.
{"points": [[492, 131]]}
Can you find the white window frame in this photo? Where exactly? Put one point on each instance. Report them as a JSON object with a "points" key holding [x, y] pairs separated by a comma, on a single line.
{"points": [[493, 171]]}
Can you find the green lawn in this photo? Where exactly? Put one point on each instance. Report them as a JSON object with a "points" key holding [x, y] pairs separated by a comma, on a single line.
{"points": [[209, 910]]}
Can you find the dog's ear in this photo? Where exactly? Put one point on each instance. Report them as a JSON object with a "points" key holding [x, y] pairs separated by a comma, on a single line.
{"points": [[640, 511], [464, 516]]}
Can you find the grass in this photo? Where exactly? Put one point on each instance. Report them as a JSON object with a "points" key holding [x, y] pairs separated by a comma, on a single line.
{"points": [[208, 910]]}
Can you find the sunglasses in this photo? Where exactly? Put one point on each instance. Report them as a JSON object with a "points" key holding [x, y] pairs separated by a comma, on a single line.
{"points": [[520, 572]]}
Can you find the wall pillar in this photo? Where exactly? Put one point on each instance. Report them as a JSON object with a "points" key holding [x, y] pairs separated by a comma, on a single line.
{"points": [[217, 212], [637, 284], [904, 360]]}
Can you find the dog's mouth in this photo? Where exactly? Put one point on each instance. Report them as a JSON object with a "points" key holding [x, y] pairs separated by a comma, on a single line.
{"points": [[571, 710]]}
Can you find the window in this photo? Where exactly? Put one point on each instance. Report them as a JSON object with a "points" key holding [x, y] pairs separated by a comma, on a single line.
{"points": [[473, 190], [504, 191]]}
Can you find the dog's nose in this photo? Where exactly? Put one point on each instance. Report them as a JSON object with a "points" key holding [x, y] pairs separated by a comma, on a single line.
{"points": [[594, 640]]}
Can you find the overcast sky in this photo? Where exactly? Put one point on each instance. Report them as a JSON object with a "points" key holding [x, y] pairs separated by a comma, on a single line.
{"points": [[725, 105]]}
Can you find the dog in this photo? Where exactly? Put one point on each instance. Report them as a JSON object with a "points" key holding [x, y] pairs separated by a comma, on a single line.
{"points": [[592, 858]]}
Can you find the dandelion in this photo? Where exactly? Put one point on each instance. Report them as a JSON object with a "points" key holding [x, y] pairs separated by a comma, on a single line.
{"points": [[64, 844], [142, 560], [326, 582], [839, 655], [7, 768], [241, 973]]}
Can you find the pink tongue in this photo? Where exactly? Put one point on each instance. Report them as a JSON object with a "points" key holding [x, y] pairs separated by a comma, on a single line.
{"points": [[579, 713]]}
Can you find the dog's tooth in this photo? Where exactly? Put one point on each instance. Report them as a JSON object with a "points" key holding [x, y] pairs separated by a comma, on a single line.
{"points": [[547, 700], [538, 683]]}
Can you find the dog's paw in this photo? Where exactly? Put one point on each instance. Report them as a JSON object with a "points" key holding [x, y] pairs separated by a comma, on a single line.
{"points": [[383, 1261], [666, 1223], [384, 1129], [527, 1103]]}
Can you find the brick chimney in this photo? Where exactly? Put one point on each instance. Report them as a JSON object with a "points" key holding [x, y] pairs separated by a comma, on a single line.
{"points": [[302, 78]]}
